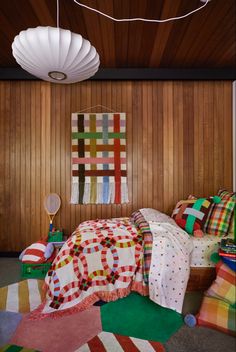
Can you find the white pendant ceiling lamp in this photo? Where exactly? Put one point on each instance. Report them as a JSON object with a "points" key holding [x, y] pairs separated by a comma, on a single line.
{"points": [[54, 54]]}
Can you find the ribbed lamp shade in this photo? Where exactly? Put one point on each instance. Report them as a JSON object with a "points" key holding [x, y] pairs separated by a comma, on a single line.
{"points": [[56, 55]]}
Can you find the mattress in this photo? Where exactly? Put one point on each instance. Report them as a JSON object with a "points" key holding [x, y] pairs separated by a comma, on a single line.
{"points": [[202, 249]]}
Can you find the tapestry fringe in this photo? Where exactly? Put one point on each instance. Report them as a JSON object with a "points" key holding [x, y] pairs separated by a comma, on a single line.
{"points": [[102, 193]]}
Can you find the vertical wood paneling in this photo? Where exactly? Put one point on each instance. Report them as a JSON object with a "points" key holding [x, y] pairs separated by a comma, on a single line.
{"points": [[179, 141], [188, 138], [5, 162], [198, 134], [127, 107], [158, 168], [150, 138], [168, 146], [37, 219], [47, 156], [228, 128]]}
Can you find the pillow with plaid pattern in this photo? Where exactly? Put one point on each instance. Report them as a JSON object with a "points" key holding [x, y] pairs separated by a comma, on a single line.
{"points": [[224, 285], [219, 220], [217, 314]]}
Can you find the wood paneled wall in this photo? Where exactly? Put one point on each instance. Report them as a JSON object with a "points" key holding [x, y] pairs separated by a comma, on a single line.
{"points": [[179, 141]]}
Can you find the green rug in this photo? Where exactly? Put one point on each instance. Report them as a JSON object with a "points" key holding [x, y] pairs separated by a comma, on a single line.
{"points": [[15, 348], [139, 317]]}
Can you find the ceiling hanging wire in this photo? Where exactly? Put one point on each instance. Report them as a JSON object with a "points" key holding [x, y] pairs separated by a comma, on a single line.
{"points": [[140, 18]]}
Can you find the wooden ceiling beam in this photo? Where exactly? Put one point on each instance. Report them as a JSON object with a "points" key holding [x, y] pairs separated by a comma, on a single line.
{"points": [[15, 73]]}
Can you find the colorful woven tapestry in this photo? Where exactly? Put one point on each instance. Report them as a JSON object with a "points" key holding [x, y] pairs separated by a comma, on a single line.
{"points": [[99, 173]]}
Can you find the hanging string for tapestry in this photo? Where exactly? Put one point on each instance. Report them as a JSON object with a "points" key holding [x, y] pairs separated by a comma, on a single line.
{"points": [[99, 174]]}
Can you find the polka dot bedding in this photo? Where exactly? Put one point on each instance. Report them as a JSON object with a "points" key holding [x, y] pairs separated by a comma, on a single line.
{"points": [[170, 265], [169, 273], [203, 247]]}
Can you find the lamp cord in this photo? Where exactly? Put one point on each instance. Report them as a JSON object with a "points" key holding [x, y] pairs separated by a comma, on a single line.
{"points": [[57, 13], [140, 18]]}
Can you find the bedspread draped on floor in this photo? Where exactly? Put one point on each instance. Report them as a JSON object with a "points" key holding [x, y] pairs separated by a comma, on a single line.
{"points": [[106, 259]]}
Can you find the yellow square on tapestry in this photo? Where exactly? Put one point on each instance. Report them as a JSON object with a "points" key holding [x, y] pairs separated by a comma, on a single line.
{"points": [[99, 174]]}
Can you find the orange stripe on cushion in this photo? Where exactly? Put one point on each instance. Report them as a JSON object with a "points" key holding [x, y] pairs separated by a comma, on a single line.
{"points": [[96, 345], [157, 346], [126, 343]]}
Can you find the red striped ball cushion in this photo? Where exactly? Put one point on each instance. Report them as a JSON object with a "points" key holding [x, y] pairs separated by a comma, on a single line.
{"points": [[35, 253]]}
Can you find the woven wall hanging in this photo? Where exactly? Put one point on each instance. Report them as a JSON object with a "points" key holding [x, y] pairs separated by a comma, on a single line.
{"points": [[99, 174]]}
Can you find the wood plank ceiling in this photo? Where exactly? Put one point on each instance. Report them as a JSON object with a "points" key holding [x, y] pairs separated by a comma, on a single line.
{"points": [[205, 39]]}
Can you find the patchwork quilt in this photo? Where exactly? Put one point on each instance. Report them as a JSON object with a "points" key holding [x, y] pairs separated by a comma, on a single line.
{"points": [[107, 259]]}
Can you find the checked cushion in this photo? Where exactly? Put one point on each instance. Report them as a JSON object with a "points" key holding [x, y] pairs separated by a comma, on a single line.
{"points": [[221, 215]]}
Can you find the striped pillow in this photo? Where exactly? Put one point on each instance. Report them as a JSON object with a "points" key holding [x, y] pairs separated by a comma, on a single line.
{"points": [[224, 286], [191, 214], [35, 253], [221, 215], [217, 314]]}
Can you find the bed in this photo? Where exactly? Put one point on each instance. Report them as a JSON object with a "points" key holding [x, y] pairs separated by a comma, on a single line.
{"points": [[106, 259], [202, 271]]}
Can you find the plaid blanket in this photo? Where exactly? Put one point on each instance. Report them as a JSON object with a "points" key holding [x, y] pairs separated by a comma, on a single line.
{"points": [[217, 314], [224, 286], [143, 226]]}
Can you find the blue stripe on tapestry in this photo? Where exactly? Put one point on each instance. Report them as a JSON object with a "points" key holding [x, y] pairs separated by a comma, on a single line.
{"points": [[105, 196]]}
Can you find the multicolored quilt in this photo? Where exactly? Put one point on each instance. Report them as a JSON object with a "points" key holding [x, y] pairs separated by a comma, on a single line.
{"points": [[101, 260], [107, 259]]}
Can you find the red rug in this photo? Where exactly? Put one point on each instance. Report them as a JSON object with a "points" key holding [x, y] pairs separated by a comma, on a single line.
{"points": [[62, 334]]}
